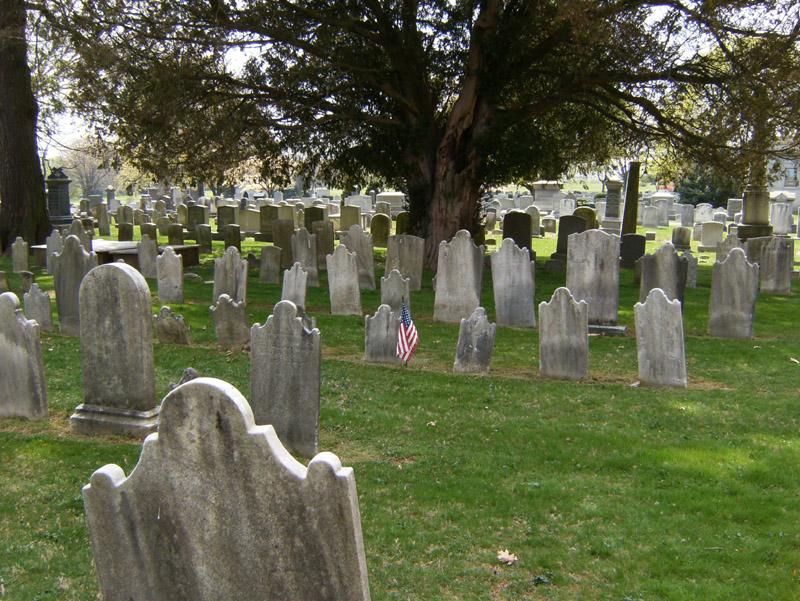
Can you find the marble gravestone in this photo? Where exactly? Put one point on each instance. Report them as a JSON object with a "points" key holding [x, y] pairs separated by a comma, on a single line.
{"points": [[285, 360], [780, 216], [659, 341], [282, 231], [69, 268], [359, 242], [380, 335], [23, 392], [513, 283], [691, 268], [230, 323], [204, 237], [148, 252], [734, 288], [55, 244], [569, 224], [216, 509], [380, 227], [324, 235], [406, 253], [711, 236], [775, 265], [230, 276], [394, 289], [663, 269], [458, 278], [294, 286], [593, 276], [304, 251], [170, 328], [116, 327], [475, 343], [19, 255], [169, 274], [38, 307], [270, 265], [563, 337], [343, 287]]}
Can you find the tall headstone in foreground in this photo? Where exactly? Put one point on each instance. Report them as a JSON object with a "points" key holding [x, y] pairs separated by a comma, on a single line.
{"points": [[563, 337], [394, 289], [629, 217], [406, 253], [358, 241], [732, 305], [513, 285], [285, 359], [380, 335], [270, 266], [230, 323], [69, 268], [217, 509], [659, 341], [19, 255], [38, 307], [458, 278], [304, 251], [663, 269], [593, 274], [475, 343], [295, 281], [22, 384], [169, 271], [230, 276], [119, 395], [345, 293]]}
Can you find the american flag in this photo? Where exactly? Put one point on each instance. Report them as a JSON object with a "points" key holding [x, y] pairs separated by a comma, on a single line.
{"points": [[407, 338]]}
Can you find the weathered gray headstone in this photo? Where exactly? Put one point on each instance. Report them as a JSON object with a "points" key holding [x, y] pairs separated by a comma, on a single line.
{"points": [[304, 251], [380, 335], [4, 287], [691, 268], [687, 215], [593, 274], [76, 229], [204, 237], [650, 217], [22, 383], [119, 395], [380, 227], [324, 235], [69, 266], [682, 238], [567, 225], [711, 236], [285, 359], [475, 343], [282, 231], [458, 278], [632, 249], [406, 253], [175, 235], [148, 253], [170, 328], [533, 213], [780, 216], [663, 269], [230, 323], [350, 216], [230, 276], [19, 255], [270, 266], [734, 206], [169, 273], [125, 232], [517, 226], [563, 337], [55, 244], [231, 236], [216, 509], [394, 289], [776, 264], [25, 280], [294, 286], [659, 340], [39, 308], [402, 223], [124, 215], [732, 305], [345, 293], [103, 221], [358, 241], [150, 230], [513, 282], [727, 245]]}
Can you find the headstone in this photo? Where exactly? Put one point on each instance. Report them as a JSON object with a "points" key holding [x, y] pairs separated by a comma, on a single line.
{"points": [[734, 206], [475, 343], [780, 216], [147, 249], [631, 208], [350, 216], [324, 236], [204, 237], [563, 337], [124, 215], [632, 249], [175, 235], [776, 264], [513, 282], [659, 341], [38, 307], [703, 213], [691, 268], [163, 223], [217, 509], [26, 280], [687, 215], [569, 224], [394, 289], [196, 215], [612, 220], [125, 232], [490, 221], [380, 227], [720, 216], [304, 251], [169, 273], [116, 326], [182, 212], [549, 225], [170, 328], [282, 232], [728, 244], [270, 266], [345, 293], [312, 214], [294, 286], [285, 359], [69, 267], [682, 238], [406, 253], [150, 230], [227, 216], [103, 221], [230, 276], [19, 255], [517, 227], [732, 305], [650, 217], [231, 236], [55, 244], [458, 278], [593, 274], [590, 217], [359, 242], [22, 381], [383, 208], [402, 223], [230, 323], [663, 269], [380, 335]]}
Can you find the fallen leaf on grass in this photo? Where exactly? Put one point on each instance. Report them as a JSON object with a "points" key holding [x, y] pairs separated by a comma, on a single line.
{"points": [[793, 360], [504, 556], [756, 346], [431, 424]]}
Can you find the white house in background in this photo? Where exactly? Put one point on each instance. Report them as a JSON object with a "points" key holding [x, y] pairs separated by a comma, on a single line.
{"points": [[786, 181]]}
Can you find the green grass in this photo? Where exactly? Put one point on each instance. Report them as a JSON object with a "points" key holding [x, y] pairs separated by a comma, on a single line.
{"points": [[603, 490]]}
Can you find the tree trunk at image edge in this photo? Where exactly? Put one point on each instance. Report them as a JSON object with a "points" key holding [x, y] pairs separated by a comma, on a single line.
{"points": [[23, 211]]}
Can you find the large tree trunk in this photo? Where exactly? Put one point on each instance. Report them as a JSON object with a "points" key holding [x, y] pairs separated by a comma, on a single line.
{"points": [[23, 211]]}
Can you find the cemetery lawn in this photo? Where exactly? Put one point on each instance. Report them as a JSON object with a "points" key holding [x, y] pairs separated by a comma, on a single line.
{"points": [[602, 489]]}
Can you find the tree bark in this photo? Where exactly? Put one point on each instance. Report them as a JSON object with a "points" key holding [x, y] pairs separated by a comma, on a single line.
{"points": [[23, 211]]}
